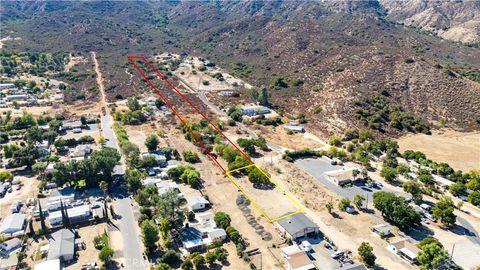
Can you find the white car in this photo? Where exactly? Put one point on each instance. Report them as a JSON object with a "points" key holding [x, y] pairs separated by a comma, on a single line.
{"points": [[337, 254]]}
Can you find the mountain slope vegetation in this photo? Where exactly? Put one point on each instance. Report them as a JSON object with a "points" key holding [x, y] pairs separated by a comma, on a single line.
{"points": [[337, 53]]}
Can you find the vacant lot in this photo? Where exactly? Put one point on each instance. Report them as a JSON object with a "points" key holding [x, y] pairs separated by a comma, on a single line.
{"points": [[458, 149]]}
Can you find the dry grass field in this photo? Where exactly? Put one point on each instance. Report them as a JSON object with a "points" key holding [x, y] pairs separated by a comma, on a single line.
{"points": [[460, 150]]}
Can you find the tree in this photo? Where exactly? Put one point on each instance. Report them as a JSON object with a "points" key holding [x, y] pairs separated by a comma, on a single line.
{"points": [[414, 189], [431, 253], [164, 228], [187, 265], [83, 120], [222, 219], [343, 204], [133, 104], [163, 266], [355, 173], [395, 210], [233, 234], [151, 142], [458, 189], [105, 254], [149, 236], [403, 169], [191, 177], [103, 186], [425, 177], [101, 140], [335, 141], [358, 201], [257, 176], [443, 211], [134, 177], [171, 257], [329, 207], [210, 257], [169, 207], [6, 176], [366, 254], [474, 198], [198, 261], [190, 156], [388, 173]]}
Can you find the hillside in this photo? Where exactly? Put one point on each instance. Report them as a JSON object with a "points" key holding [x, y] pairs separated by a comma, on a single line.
{"points": [[330, 54], [452, 20]]}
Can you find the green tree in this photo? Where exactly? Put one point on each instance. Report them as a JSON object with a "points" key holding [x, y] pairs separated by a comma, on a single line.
{"points": [[443, 211], [133, 104], [458, 189], [134, 177], [199, 261], [329, 207], [366, 254], [358, 201], [83, 120], [187, 265], [149, 236], [343, 204], [388, 173], [425, 177], [171, 257], [103, 186], [210, 257], [474, 198], [105, 254], [151, 142], [257, 176], [169, 207], [414, 189], [163, 266], [190, 156], [222, 219], [431, 254], [395, 210], [335, 141], [403, 169], [191, 177], [6, 176]]}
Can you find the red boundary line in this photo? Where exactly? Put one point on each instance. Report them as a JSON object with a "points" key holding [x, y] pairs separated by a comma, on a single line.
{"points": [[164, 78]]}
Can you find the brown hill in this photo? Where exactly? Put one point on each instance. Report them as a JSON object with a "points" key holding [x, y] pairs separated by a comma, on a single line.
{"points": [[330, 54]]}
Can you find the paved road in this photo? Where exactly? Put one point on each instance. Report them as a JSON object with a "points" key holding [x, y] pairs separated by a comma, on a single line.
{"points": [[127, 225]]}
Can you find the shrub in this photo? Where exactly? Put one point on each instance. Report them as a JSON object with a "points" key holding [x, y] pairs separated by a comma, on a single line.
{"points": [[190, 156]]}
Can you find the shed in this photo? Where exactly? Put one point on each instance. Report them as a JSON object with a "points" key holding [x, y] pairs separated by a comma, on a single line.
{"points": [[340, 177], [10, 245], [298, 225], [383, 230]]}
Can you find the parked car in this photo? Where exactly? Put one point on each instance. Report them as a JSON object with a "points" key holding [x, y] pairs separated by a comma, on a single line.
{"points": [[337, 254]]}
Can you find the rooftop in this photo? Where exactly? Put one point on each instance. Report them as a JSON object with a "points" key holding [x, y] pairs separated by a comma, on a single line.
{"points": [[61, 244], [296, 223], [300, 261], [49, 265], [13, 222]]}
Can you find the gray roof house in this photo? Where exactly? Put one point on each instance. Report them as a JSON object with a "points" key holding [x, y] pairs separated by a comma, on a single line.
{"points": [[297, 226], [14, 224], [62, 245], [196, 203]]}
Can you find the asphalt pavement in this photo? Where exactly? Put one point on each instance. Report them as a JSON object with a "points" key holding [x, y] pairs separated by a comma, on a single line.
{"points": [[132, 249]]}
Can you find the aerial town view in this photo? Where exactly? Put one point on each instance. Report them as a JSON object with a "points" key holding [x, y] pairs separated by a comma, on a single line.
{"points": [[296, 135]]}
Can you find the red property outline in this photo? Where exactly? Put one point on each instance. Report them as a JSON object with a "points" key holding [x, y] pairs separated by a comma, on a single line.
{"points": [[132, 58]]}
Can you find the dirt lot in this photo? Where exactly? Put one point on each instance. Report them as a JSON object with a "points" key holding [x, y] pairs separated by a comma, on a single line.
{"points": [[279, 136], [458, 149], [89, 254], [28, 190]]}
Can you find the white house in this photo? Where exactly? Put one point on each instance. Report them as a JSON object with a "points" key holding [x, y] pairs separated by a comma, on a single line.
{"points": [[296, 259], [255, 110], [13, 224], [9, 246], [76, 215], [49, 265], [405, 249], [196, 203]]}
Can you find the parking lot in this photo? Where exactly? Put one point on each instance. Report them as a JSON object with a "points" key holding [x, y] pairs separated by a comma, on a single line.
{"points": [[317, 168]]}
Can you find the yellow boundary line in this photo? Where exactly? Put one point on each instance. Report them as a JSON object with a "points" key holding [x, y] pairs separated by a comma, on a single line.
{"points": [[255, 204]]}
